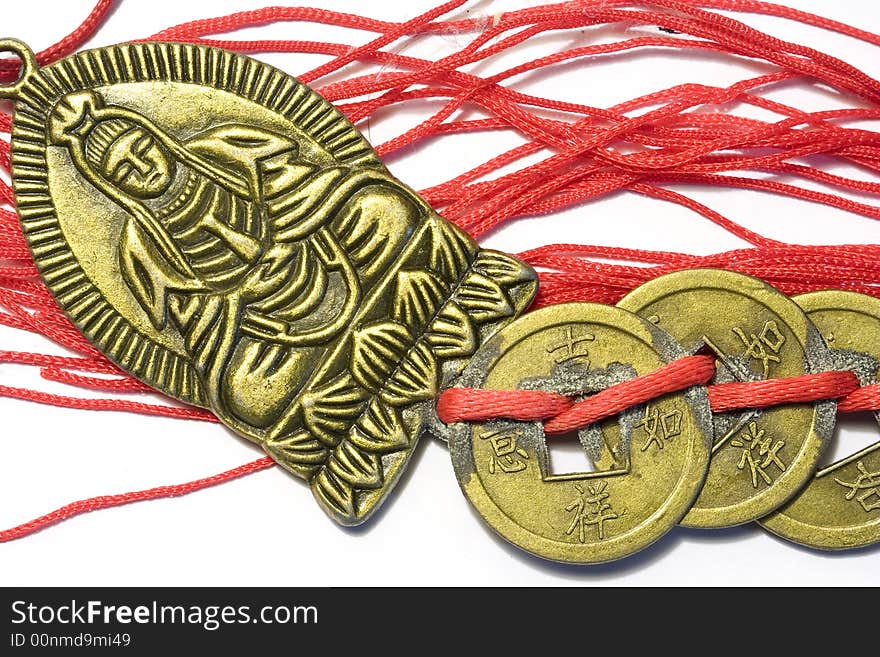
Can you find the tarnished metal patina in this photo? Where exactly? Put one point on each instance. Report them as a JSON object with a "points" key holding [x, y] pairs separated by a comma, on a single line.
{"points": [[840, 507], [761, 457], [225, 235], [650, 461]]}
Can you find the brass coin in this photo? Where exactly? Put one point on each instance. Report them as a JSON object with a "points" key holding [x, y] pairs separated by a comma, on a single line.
{"points": [[224, 234], [651, 461], [840, 507], [760, 457]]}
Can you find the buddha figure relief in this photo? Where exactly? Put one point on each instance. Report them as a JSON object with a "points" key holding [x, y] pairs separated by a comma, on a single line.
{"points": [[281, 277]]}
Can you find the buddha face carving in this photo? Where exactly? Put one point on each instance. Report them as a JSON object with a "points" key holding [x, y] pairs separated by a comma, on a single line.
{"points": [[137, 163]]}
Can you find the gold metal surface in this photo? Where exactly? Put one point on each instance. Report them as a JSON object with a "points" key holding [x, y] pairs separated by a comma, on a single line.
{"points": [[224, 234], [840, 507], [651, 461], [760, 457]]}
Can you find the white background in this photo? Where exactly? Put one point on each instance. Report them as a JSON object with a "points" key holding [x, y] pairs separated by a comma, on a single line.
{"points": [[266, 529]]}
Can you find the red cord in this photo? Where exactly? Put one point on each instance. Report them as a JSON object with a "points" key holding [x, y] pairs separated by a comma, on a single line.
{"points": [[463, 404], [476, 405], [561, 414], [677, 375], [67, 45], [571, 153], [107, 501], [790, 390], [107, 404], [866, 398]]}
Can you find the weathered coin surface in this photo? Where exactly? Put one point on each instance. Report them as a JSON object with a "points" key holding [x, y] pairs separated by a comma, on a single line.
{"points": [[223, 233], [651, 461], [840, 507], [760, 458]]}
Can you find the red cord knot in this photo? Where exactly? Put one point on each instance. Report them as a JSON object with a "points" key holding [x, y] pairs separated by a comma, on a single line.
{"points": [[561, 414]]}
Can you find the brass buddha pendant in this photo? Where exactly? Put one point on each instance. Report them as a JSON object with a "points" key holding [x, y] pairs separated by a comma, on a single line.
{"points": [[225, 235]]}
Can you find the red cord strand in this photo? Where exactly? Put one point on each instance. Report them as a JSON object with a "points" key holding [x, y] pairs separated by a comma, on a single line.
{"points": [[67, 45], [476, 405], [866, 398], [108, 501], [561, 414], [773, 392], [677, 375]]}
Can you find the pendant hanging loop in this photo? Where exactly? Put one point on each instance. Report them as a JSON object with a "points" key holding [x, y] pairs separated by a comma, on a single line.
{"points": [[29, 66]]}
